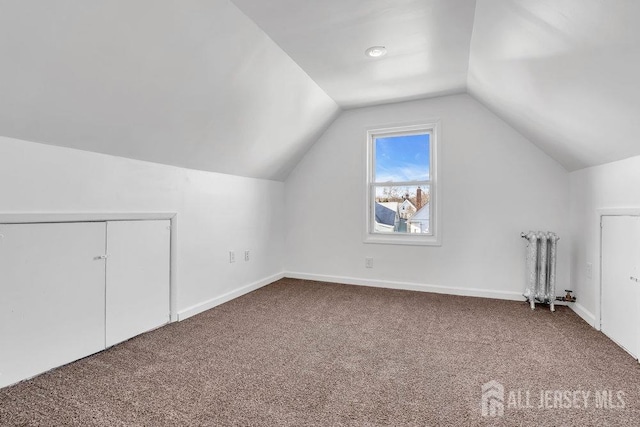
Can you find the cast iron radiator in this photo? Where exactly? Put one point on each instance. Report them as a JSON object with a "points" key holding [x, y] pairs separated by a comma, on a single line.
{"points": [[541, 267]]}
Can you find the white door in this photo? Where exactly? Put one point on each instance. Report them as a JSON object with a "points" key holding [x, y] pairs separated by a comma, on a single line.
{"points": [[51, 296], [137, 278], [620, 305]]}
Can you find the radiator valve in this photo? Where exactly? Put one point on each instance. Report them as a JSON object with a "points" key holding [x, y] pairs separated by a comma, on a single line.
{"points": [[568, 297]]}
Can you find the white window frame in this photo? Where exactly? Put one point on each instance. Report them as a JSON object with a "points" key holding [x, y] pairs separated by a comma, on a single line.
{"points": [[434, 238]]}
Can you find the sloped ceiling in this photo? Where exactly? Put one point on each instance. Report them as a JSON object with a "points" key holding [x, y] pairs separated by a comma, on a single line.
{"points": [[192, 83], [427, 43], [564, 73], [204, 85]]}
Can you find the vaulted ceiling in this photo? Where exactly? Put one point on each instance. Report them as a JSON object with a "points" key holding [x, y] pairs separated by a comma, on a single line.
{"points": [[246, 86], [566, 74], [192, 83], [427, 42]]}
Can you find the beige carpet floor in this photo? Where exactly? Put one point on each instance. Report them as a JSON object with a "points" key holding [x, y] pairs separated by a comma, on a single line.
{"points": [[299, 353]]}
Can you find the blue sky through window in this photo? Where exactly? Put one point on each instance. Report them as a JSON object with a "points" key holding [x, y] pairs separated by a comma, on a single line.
{"points": [[402, 158]]}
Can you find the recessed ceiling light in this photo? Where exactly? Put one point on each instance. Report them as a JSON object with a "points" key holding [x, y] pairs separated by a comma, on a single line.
{"points": [[376, 51]]}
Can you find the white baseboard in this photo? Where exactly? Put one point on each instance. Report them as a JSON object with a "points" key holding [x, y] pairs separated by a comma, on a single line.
{"points": [[409, 286], [206, 305], [586, 315]]}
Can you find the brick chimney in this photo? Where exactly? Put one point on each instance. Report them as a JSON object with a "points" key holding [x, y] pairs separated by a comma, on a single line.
{"points": [[419, 198]]}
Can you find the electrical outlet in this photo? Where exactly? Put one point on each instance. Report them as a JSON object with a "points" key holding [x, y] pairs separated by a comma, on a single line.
{"points": [[368, 262], [589, 270], [232, 256], [246, 255]]}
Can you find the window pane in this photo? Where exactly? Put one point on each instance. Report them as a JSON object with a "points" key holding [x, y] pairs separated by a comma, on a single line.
{"points": [[403, 209], [402, 158]]}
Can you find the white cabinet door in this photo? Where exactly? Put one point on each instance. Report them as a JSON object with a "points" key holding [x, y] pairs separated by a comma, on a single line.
{"points": [[620, 292], [137, 278], [52, 305]]}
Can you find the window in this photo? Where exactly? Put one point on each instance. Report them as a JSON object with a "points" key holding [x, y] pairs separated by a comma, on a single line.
{"points": [[401, 185]]}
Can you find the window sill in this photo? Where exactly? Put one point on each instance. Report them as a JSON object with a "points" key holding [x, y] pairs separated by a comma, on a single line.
{"points": [[407, 240]]}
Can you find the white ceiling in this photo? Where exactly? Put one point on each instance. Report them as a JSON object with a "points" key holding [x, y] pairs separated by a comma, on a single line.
{"points": [[427, 42], [564, 73], [193, 83], [199, 84]]}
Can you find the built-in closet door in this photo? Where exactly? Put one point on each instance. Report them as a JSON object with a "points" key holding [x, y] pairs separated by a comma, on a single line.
{"points": [[52, 300], [620, 306], [138, 278]]}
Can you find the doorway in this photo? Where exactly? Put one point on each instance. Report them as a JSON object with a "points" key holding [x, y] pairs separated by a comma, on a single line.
{"points": [[620, 284]]}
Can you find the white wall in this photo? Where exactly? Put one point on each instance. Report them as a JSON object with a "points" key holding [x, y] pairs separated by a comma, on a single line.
{"points": [[216, 212], [612, 186], [494, 185]]}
